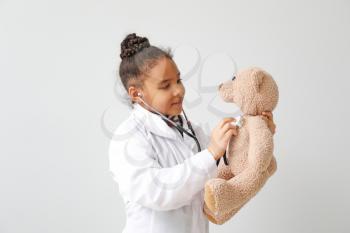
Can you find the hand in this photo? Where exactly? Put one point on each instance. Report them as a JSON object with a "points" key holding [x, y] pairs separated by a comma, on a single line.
{"points": [[268, 118], [220, 137]]}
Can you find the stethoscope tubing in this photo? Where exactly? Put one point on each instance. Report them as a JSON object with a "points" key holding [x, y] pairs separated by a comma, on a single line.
{"points": [[182, 129]]}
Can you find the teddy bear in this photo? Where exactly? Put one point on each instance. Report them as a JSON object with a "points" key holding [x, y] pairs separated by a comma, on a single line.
{"points": [[249, 154]]}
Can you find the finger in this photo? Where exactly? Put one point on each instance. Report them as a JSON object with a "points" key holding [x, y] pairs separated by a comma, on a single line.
{"points": [[268, 115], [274, 127], [227, 119], [234, 131], [228, 126], [271, 115], [229, 134], [265, 119]]}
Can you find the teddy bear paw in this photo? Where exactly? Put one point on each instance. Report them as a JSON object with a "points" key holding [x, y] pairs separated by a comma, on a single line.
{"points": [[217, 195]]}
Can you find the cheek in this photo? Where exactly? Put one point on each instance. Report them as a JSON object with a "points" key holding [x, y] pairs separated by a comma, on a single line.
{"points": [[183, 90], [162, 101]]}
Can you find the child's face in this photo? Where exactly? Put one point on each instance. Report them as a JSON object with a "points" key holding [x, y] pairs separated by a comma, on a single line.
{"points": [[162, 88]]}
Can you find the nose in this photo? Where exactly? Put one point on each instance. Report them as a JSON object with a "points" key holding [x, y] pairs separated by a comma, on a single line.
{"points": [[219, 86], [179, 91]]}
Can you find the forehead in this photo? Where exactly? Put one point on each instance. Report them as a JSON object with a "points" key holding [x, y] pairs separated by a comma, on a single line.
{"points": [[164, 69]]}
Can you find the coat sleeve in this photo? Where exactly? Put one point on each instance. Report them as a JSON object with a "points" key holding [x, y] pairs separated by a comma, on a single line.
{"points": [[141, 179], [202, 135]]}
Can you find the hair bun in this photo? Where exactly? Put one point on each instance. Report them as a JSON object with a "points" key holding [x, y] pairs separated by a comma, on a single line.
{"points": [[133, 44]]}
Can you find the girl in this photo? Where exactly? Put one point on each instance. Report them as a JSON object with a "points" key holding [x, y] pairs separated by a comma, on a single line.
{"points": [[160, 169]]}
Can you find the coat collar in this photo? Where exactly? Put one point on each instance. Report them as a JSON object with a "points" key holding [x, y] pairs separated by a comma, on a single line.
{"points": [[153, 122]]}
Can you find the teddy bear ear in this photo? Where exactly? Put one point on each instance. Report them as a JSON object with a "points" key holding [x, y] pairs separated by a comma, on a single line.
{"points": [[257, 78]]}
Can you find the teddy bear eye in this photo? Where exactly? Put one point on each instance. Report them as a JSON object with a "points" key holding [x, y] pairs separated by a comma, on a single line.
{"points": [[233, 78]]}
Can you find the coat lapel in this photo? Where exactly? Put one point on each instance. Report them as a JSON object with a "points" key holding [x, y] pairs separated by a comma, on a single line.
{"points": [[153, 122]]}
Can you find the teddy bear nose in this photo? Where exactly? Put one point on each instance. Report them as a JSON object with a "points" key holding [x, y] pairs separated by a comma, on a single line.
{"points": [[219, 86]]}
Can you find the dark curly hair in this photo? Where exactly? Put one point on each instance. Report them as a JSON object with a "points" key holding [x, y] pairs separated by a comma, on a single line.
{"points": [[138, 57]]}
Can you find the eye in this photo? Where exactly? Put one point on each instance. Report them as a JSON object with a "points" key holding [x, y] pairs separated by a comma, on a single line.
{"points": [[168, 85], [233, 78], [165, 87]]}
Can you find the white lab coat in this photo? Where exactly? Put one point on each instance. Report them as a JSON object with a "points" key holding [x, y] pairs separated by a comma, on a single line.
{"points": [[160, 174]]}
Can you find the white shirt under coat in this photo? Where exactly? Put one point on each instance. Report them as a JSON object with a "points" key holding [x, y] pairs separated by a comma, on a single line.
{"points": [[160, 174]]}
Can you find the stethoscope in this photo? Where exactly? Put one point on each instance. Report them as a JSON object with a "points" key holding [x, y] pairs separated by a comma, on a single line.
{"points": [[182, 129]]}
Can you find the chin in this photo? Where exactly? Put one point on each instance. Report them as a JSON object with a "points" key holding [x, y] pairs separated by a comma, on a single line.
{"points": [[175, 109]]}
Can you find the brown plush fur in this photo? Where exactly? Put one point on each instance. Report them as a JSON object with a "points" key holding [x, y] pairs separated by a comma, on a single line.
{"points": [[250, 153]]}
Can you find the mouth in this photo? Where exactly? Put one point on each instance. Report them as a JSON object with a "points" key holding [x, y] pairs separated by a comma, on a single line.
{"points": [[177, 102]]}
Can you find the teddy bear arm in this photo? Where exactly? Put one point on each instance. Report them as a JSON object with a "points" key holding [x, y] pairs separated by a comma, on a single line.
{"points": [[260, 144]]}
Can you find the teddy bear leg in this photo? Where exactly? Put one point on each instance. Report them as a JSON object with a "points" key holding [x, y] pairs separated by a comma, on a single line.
{"points": [[209, 195], [220, 219], [209, 214], [222, 196], [247, 184], [224, 171]]}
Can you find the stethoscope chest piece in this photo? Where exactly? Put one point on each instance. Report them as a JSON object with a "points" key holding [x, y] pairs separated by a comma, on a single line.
{"points": [[239, 123]]}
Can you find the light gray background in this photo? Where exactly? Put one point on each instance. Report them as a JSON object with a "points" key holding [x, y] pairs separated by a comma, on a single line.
{"points": [[57, 66]]}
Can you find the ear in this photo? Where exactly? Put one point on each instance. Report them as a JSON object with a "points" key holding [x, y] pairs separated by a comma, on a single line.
{"points": [[257, 79], [133, 92]]}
